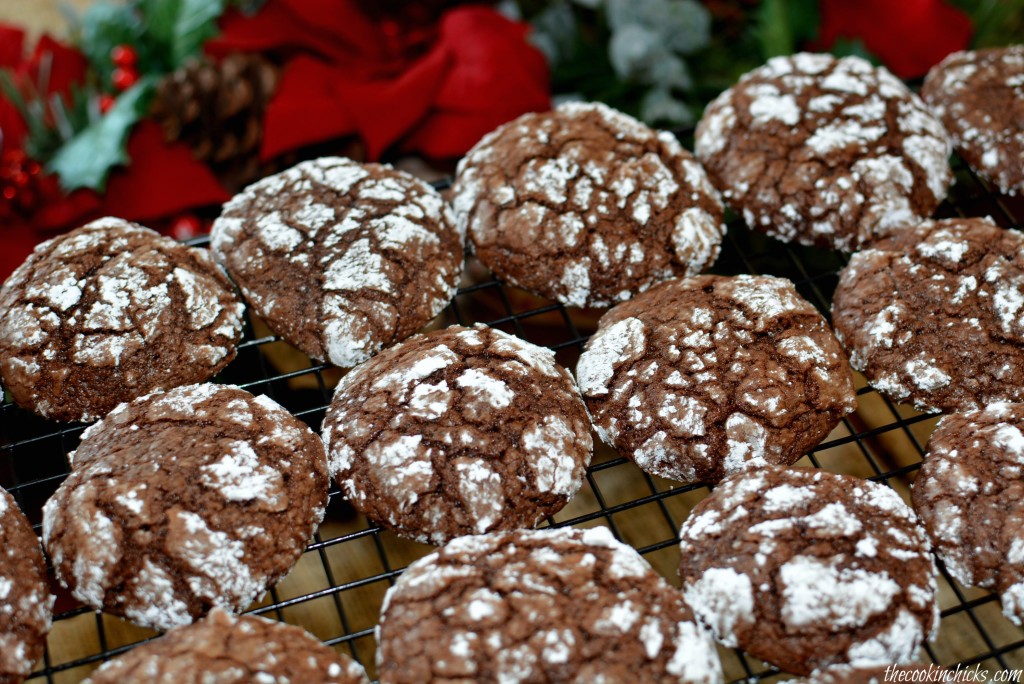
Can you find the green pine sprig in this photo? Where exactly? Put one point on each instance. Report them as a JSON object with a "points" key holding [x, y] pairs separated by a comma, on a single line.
{"points": [[52, 120]]}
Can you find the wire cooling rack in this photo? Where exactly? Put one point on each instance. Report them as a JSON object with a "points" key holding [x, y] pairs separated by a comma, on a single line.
{"points": [[336, 589]]}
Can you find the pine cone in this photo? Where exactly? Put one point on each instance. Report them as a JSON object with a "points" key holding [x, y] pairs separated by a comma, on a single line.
{"points": [[217, 109]]}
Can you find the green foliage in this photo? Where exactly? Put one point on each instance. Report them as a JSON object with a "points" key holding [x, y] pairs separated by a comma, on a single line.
{"points": [[86, 159], [79, 143], [783, 26], [631, 54], [51, 121], [163, 33], [844, 47], [180, 27], [105, 25], [996, 22]]}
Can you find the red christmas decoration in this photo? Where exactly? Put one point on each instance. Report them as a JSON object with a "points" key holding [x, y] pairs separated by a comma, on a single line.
{"points": [[913, 36], [123, 78], [433, 88], [18, 174], [105, 102], [162, 179], [186, 226], [402, 82], [124, 56]]}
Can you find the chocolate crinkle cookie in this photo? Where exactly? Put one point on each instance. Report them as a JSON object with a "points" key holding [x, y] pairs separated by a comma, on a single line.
{"points": [[586, 205], [825, 151], [25, 601], [225, 649], [805, 569], [979, 96], [970, 496], [539, 606], [109, 312], [933, 315], [705, 376], [181, 501], [341, 258], [458, 431]]}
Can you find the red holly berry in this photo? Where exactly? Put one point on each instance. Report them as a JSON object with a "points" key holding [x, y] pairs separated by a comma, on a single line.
{"points": [[124, 56], [186, 226], [13, 158], [123, 78], [105, 101], [21, 184]]}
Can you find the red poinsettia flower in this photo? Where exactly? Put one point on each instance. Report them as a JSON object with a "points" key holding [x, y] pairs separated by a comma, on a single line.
{"points": [[12, 47], [162, 180], [493, 77], [434, 90], [909, 36]]}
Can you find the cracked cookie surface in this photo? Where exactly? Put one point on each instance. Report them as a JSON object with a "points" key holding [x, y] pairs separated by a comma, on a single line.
{"points": [[340, 258], [704, 376], [825, 151], [979, 96], [933, 315], [458, 431], [558, 605], [225, 649], [586, 205], [804, 568], [970, 497], [25, 601], [181, 501], [109, 312]]}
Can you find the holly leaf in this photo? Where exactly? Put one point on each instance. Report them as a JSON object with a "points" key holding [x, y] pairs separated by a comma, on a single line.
{"points": [[85, 160], [182, 26]]}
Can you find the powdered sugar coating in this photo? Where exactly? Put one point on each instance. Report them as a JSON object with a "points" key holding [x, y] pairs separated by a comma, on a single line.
{"points": [[969, 496], [180, 501], [109, 312], [586, 205], [463, 430], [25, 601], [805, 568], [224, 649], [341, 258], [560, 605], [934, 316], [979, 96], [825, 151], [705, 376]]}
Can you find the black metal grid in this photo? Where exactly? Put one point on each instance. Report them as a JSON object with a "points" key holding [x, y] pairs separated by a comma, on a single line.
{"points": [[337, 588]]}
